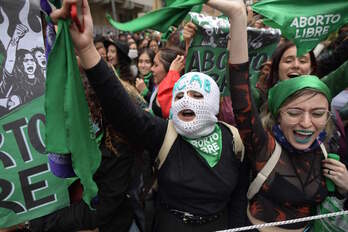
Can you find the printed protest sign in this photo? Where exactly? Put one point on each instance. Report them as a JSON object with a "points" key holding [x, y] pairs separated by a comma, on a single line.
{"points": [[27, 187], [261, 45], [208, 50], [306, 23]]}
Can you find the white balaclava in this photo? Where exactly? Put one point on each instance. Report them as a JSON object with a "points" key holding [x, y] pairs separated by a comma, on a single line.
{"points": [[205, 109]]}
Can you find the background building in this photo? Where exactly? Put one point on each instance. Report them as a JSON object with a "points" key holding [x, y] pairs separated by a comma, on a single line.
{"points": [[120, 10], [126, 10]]}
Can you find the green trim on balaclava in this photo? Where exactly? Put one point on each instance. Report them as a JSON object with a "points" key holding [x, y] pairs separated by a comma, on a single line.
{"points": [[284, 89]]}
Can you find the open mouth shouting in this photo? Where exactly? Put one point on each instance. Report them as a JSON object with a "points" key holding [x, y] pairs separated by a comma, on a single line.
{"points": [[303, 136], [293, 74], [30, 69], [186, 115]]}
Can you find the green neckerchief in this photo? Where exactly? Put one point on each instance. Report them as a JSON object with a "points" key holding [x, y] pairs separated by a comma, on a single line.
{"points": [[117, 72], [306, 23], [147, 79], [209, 147], [145, 92]]}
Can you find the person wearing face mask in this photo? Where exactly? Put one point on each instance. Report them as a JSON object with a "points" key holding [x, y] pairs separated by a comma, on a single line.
{"points": [[133, 51], [297, 126], [133, 54], [202, 185]]}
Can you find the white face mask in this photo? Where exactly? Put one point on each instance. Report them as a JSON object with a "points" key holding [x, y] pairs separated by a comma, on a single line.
{"points": [[134, 70], [205, 109], [133, 53]]}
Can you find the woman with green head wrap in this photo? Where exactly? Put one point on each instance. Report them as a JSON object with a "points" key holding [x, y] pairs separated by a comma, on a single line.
{"points": [[297, 123]]}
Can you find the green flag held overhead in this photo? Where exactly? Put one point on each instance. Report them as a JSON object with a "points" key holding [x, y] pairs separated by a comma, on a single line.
{"points": [[68, 128], [159, 20], [306, 23]]}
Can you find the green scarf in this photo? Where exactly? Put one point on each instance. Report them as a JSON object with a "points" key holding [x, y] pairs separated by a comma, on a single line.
{"points": [[147, 79], [209, 147], [68, 126], [305, 22], [159, 20], [284, 89]]}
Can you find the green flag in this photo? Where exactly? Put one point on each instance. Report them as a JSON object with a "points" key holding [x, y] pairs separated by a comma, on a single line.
{"points": [[306, 23], [159, 20], [168, 2], [68, 129], [1, 59]]}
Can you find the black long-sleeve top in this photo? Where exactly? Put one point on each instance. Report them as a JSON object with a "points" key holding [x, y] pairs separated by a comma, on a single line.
{"points": [[186, 181]]}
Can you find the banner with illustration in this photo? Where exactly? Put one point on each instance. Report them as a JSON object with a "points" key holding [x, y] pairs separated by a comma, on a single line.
{"points": [[27, 187], [208, 50]]}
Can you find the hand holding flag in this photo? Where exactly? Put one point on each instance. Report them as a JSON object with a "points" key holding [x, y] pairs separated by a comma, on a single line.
{"points": [[68, 126]]}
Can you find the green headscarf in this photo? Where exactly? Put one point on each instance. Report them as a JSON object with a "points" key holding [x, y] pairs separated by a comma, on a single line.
{"points": [[284, 89]]}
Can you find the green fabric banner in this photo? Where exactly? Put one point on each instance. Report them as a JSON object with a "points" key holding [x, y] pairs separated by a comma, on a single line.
{"points": [[68, 128], [207, 52], [27, 187], [159, 20], [306, 23]]}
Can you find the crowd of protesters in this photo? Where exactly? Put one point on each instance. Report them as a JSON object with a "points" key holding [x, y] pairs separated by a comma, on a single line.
{"points": [[193, 172]]}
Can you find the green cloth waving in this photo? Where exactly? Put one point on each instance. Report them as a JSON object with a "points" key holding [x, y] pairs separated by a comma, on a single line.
{"points": [[305, 22], [159, 20], [68, 127]]}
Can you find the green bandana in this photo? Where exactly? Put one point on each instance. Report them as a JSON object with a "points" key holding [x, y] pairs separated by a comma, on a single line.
{"points": [[306, 23], [159, 20], [209, 147], [68, 125], [147, 79], [282, 90]]}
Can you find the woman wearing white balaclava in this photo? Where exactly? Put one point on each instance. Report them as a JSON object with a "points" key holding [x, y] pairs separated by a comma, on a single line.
{"points": [[202, 186]]}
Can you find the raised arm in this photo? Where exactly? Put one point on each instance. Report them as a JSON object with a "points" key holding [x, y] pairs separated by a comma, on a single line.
{"points": [[254, 137], [12, 47], [138, 126]]}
